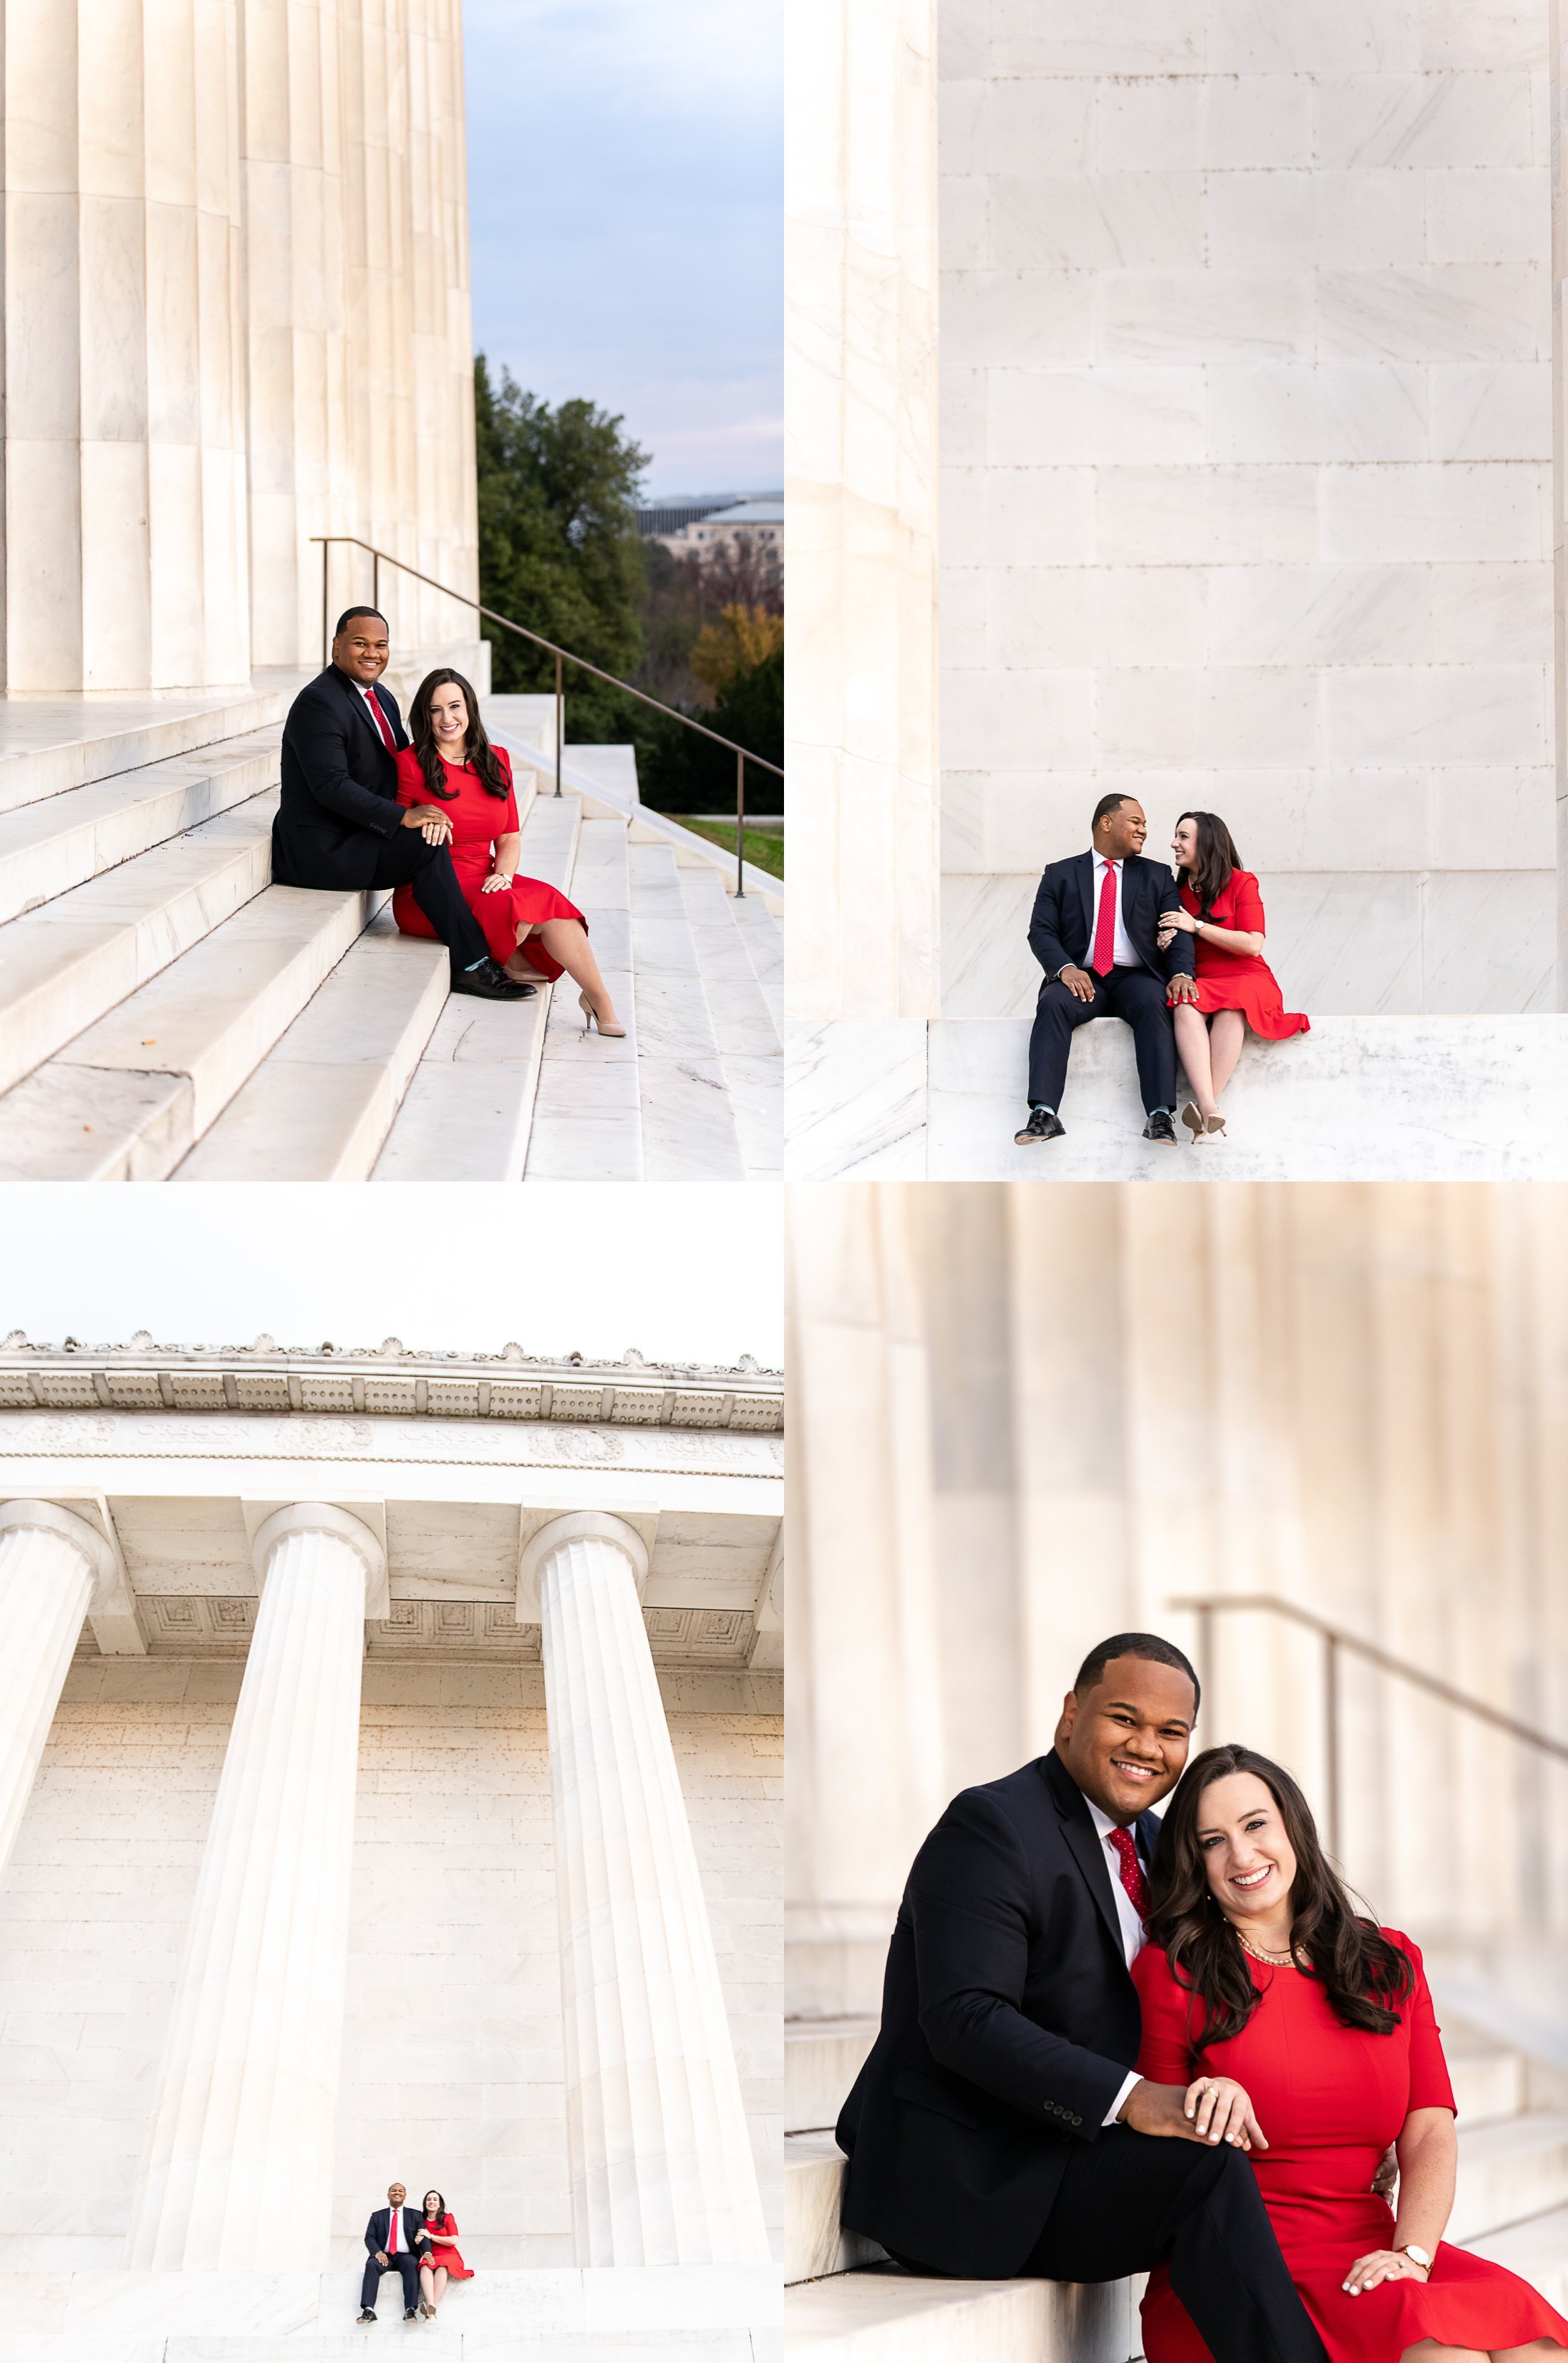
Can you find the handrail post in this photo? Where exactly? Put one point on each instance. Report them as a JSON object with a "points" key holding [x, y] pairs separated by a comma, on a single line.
{"points": [[561, 721], [326, 642], [1206, 1668], [740, 827], [376, 581], [1332, 1741]]}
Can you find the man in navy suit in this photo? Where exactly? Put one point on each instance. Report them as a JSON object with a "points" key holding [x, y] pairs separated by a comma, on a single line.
{"points": [[999, 2126], [1095, 931], [338, 821], [393, 2237]]}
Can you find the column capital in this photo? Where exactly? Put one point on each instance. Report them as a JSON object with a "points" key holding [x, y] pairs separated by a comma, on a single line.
{"points": [[326, 1518], [50, 1517], [575, 1526]]}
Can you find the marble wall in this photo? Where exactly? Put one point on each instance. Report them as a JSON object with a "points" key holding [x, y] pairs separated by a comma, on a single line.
{"points": [[1246, 444], [860, 422], [236, 314], [452, 2068], [999, 1454]]}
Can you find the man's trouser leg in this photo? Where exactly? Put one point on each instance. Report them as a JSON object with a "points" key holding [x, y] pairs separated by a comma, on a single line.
{"points": [[1128, 2201]]}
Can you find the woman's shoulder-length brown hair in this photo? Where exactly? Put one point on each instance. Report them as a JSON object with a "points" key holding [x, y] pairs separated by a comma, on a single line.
{"points": [[1363, 1975], [477, 748]]}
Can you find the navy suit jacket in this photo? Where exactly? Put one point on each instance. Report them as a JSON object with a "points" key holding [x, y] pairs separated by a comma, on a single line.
{"points": [[1010, 2023], [1060, 927], [375, 2230], [338, 804]]}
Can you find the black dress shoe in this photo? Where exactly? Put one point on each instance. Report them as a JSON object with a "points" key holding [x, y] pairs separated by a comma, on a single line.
{"points": [[1043, 1124], [490, 982], [366, 2316], [1160, 1127], [413, 2314]]}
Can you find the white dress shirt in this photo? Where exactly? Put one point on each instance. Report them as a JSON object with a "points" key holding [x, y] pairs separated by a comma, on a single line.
{"points": [[1134, 1935], [1122, 950]]}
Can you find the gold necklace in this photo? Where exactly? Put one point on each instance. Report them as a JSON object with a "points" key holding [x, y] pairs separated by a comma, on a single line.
{"points": [[1285, 1960]]}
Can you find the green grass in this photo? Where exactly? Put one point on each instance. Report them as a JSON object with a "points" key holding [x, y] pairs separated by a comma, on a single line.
{"points": [[763, 846]]}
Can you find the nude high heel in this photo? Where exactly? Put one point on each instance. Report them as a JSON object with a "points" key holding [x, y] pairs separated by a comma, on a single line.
{"points": [[1193, 1120], [591, 1018], [1216, 1123]]}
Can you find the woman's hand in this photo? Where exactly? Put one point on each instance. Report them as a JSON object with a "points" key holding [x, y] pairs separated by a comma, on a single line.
{"points": [[1220, 2111], [497, 883], [1166, 938], [1180, 923], [1382, 2265], [434, 826]]}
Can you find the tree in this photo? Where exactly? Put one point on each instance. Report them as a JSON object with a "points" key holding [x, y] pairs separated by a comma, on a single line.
{"points": [[558, 547]]}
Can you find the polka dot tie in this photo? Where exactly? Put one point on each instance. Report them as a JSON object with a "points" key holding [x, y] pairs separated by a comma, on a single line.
{"points": [[1132, 1878]]}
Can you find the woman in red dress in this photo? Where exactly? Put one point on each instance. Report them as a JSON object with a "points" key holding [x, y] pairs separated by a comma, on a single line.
{"points": [[1221, 906], [1305, 2036], [440, 2262], [468, 783]]}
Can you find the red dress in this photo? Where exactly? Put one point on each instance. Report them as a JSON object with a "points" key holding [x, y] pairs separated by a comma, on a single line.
{"points": [[478, 820], [1240, 980], [1330, 2100], [441, 2250]]}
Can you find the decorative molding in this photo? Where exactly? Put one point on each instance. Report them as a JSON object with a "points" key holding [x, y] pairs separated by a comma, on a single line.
{"points": [[386, 1381], [191, 1624]]}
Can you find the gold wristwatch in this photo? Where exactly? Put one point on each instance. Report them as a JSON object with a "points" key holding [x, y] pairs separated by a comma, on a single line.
{"points": [[1417, 2256]]}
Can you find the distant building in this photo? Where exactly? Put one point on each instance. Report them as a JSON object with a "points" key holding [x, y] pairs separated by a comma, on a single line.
{"points": [[705, 522]]}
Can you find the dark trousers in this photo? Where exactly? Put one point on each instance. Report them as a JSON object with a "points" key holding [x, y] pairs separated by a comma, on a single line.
{"points": [[1131, 993], [404, 2264], [406, 861], [1128, 2201]]}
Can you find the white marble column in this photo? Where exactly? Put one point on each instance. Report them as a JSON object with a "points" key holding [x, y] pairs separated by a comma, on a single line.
{"points": [[661, 2164], [50, 1563], [123, 443], [238, 2171]]}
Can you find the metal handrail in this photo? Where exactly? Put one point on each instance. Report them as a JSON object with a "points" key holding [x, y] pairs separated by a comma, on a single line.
{"points": [[563, 657], [1335, 1639]]}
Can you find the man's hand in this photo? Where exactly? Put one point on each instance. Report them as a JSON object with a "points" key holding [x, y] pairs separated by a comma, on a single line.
{"points": [[1181, 988], [436, 824], [1159, 2109], [1385, 2180], [1078, 981], [381, 2257]]}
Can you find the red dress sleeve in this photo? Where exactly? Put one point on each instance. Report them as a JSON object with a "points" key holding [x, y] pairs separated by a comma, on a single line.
{"points": [[1165, 2055], [411, 787], [1246, 905], [1430, 2084]]}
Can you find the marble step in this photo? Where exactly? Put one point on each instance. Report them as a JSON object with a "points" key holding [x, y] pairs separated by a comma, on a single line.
{"points": [[750, 1048], [821, 2060], [45, 848], [469, 1105], [128, 1098], [320, 1105], [1509, 2171], [1537, 2250], [588, 1115], [49, 745], [1359, 1099], [886, 2316], [1489, 2084], [66, 964], [814, 2243], [689, 1124], [765, 943]]}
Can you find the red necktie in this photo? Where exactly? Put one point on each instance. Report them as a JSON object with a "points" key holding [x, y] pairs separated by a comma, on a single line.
{"points": [[380, 719], [1132, 1878], [391, 2231], [1104, 957]]}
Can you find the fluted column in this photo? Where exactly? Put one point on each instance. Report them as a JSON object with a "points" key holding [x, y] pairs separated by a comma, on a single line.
{"points": [[238, 2171], [661, 2164], [51, 1561]]}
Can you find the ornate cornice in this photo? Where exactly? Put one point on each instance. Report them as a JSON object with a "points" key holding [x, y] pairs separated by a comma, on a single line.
{"points": [[389, 1379]]}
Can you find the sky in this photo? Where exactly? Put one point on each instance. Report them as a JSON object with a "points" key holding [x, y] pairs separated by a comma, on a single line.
{"points": [[684, 1271], [626, 220]]}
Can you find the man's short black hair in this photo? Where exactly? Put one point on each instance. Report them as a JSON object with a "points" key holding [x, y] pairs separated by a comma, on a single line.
{"points": [[348, 615], [1110, 804], [1147, 1645]]}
